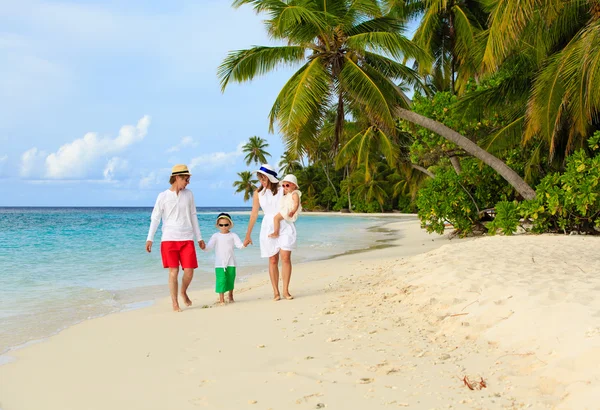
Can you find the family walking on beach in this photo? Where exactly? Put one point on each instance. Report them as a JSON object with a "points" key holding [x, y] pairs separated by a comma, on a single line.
{"points": [[280, 203]]}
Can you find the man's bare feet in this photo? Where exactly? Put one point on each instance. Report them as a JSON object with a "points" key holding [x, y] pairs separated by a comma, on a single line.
{"points": [[186, 299], [274, 235]]}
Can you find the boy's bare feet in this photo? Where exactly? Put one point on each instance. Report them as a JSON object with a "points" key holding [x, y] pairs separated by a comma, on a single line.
{"points": [[186, 299], [274, 235], [231, 297]]}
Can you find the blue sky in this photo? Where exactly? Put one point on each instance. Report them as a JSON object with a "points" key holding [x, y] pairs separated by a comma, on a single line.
{"points": [[98, 99]]}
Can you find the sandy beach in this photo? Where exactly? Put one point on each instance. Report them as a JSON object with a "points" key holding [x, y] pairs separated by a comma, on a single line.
{"points": [[518, 318]]}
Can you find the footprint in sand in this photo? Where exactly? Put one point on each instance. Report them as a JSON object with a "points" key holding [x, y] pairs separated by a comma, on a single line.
{"points": [[200, 401]]}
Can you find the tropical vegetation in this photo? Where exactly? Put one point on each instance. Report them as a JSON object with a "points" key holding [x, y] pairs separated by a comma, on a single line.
{"points": [[485, 119]]}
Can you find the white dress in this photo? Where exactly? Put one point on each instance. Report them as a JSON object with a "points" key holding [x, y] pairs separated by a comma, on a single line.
{"points": [[287, 204], [286, 241]]}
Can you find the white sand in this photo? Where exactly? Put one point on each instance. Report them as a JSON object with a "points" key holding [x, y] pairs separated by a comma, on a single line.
{"points": [[381, 329]]}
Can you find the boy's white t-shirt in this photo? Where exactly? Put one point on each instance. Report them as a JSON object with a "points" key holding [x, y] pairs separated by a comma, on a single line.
{"points": [[223, 243]]}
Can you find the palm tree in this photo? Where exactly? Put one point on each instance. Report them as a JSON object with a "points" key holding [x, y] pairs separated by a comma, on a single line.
{"points": [[563, 104], [374, 186], [246, 184], [448, 31], [255, 150], [289, 163], [348, 52], [335, 41]]}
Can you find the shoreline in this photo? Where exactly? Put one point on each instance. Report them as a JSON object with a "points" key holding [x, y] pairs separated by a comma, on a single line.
{"points": [[402, 327], [155, 293]]}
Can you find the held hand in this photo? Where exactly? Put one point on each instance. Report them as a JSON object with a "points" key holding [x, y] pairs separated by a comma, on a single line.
{"points": [[247, 242], [201, 244], [148, 246]]}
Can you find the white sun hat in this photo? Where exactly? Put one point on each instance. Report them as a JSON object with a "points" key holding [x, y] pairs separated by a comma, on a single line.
{"points": [[269, 172], [290, 178]]}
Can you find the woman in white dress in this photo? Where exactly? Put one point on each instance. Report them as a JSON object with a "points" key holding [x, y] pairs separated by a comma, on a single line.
{"points": [[267, 198]]}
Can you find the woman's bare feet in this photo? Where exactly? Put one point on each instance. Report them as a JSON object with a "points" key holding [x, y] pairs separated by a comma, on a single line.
{"points": [[176, 308], [276, 297], [288, 296]]}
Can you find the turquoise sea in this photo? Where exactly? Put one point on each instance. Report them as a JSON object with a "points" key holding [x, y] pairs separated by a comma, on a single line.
{"points": [[59, 266]]}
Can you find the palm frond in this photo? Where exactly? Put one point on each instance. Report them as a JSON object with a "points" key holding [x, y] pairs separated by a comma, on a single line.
{"points": [[298, 23], [301, 101], [507, 20], [546, 106], [506, 137], [244, 65], [385, 24], [374, 95], [392, 44], [395, 70]]}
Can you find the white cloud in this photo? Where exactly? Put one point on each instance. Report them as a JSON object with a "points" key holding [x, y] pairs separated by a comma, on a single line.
{"points": [[149, 180], [185, 142], [32, 163], [114, 166], [209, 163], [74, 160]]}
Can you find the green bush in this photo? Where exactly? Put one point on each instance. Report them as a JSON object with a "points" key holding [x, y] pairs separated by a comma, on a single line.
{"points": [[458, 199], [569, 201], [506, 220]]}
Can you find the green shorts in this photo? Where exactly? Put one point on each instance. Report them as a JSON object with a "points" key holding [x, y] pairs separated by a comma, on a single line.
{"points": [[225, 279]]}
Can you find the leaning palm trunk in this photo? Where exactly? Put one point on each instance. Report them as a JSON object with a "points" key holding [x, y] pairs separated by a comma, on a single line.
{"points": [[455, 161], [469, 146], [423, 170]]}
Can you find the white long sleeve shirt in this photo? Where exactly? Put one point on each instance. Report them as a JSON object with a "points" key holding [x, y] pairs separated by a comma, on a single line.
{"points": [[224, 244], [178, 214]]}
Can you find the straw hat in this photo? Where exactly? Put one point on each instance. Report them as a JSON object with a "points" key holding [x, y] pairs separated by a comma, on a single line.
{"points": [[224, 215], [180, 170], [290, 178], [268, 171]]}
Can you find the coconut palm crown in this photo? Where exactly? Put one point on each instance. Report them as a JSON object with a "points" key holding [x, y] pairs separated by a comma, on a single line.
{"points": [[348, 53], [255, 150]]}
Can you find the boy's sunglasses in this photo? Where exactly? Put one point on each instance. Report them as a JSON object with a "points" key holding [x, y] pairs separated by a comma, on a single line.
{"points": [[286, 185], [223, 224]]}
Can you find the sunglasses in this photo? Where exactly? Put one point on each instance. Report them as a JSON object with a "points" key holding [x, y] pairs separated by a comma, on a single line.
{"points": [[286, 185], [223, 224]]}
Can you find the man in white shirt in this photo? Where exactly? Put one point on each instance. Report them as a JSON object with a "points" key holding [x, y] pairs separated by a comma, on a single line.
{"points": [[177, 209]]}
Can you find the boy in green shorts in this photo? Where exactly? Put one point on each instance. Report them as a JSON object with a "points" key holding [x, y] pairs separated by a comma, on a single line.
{"points": [[224, 243]]}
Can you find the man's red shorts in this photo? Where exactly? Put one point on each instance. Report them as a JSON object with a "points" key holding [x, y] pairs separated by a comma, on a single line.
{"points": [[175, 253]]}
